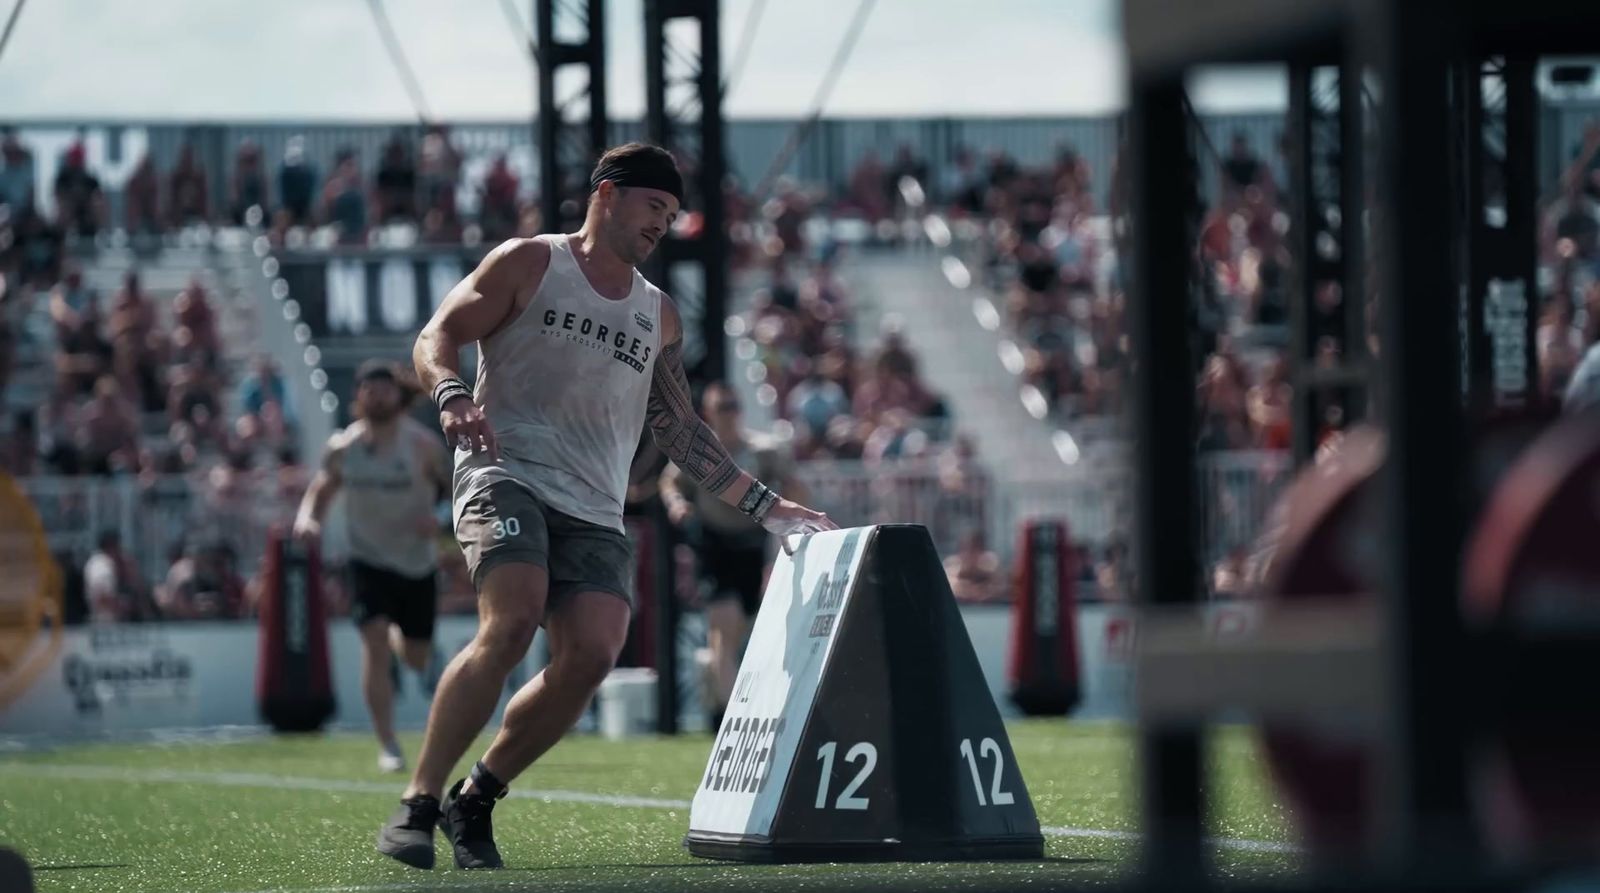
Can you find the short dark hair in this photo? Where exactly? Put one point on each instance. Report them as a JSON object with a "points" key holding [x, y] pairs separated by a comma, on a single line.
{"points": [[638, 164], [379, 369], [635, 152]]}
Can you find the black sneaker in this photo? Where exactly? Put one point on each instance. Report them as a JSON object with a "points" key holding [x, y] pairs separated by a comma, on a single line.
{"points": [[408, 835], [466, 821]]}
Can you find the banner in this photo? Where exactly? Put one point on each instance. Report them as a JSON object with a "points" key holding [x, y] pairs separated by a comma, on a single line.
{"points": [[139, 677], [111, 679], [378, 293]]}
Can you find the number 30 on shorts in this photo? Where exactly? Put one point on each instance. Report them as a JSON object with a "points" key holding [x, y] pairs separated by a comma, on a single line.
{"points": [[508, 527]]}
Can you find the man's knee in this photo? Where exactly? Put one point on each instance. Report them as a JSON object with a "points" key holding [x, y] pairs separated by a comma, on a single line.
{"points": [[587, 632], [585, 664], [503, 640]]}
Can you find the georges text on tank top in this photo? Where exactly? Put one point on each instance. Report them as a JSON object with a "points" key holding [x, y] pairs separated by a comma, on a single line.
{"points": [[565, 386], [388, 489]]}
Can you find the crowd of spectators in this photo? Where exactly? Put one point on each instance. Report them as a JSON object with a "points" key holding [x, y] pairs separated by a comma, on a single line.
{"points": [[139, 389], [203, 577], [1569, 253], [836, 400], [1051, 252], [416, 184], [1047, 259]]}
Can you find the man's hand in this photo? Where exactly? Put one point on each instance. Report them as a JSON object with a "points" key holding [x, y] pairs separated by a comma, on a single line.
{"points": [[467, 427], [307, 530], [679, 511], [790, 518]]}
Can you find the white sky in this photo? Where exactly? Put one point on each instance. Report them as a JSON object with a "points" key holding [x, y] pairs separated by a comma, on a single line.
{"points": [[322, 59]]}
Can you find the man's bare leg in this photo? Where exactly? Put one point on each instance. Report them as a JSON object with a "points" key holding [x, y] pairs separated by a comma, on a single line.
{"points": [[587, 631], [509, 610], [377, 689], [414, 653], [726, 628], [376, 686]]}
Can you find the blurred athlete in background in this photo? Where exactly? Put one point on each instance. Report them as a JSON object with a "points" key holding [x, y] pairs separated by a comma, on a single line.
{"points": [[731, 548], [393, 473]]}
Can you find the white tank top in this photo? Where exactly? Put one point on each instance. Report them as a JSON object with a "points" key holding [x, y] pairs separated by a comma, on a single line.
{"points": [[388, 491], [565, 385]]}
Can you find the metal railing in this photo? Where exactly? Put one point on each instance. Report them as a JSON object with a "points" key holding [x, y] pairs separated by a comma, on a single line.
{"points": [[154, 514], [1094, 497]]}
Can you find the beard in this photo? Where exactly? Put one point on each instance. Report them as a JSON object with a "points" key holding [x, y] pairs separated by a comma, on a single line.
{"points": [[631, 245], [380, 412]]}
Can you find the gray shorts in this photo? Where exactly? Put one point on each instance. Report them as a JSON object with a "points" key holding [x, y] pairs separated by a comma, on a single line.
{"points": [[505, 522]]}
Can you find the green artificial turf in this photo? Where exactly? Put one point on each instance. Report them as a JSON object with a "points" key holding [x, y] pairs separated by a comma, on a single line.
{"points": [[301, 814]]}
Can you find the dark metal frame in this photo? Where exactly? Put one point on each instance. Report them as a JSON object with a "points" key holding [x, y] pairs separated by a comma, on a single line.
{"points": [[1326, 133], [1423, 653], [693, 130], [1501, 137], [1163, 405], [568, 150]]}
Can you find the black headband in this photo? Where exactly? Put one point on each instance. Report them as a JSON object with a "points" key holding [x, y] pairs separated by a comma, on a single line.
{"points": [[647, 171]]}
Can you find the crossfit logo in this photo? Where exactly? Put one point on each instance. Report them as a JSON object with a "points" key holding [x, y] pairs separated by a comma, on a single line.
{"points": [[125, 667], [828, 594], [644, 322], [827, 598]]}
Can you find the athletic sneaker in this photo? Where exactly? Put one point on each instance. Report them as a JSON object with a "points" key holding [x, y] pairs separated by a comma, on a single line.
{"points": [[465, 820], [408, 835], [390, 759]]}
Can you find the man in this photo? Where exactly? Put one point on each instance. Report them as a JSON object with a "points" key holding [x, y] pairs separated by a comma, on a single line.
{"points": [[393, 472], [188, 196], [265, 385], [108, 580], [577, 353], [80, 204], [731, 547], [297, 181]]}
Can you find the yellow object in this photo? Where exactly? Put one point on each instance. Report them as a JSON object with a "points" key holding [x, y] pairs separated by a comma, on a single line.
{"points": [[31, 616]]}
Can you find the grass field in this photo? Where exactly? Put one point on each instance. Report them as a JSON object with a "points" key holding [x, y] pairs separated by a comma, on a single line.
{"points": [[301, 814]]}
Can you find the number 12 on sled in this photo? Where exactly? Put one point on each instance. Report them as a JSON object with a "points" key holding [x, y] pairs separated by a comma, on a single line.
{"points": [[864, 755]]}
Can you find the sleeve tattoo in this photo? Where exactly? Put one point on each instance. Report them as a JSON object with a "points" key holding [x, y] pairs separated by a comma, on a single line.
{"points": [[679, 430]]}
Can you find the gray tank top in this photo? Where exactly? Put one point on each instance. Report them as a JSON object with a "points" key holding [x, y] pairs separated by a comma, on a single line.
{"points": [[565, 386], [388, 491]]}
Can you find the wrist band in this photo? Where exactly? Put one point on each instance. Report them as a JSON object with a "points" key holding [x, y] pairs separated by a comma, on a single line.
{"points": [[768, 500], [757, 501], [752, 497], [449, 389]]}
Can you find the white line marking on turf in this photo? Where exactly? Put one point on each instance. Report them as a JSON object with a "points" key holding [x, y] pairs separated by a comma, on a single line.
{"points": [[1227, 843], [284, 782], [300, 783]]}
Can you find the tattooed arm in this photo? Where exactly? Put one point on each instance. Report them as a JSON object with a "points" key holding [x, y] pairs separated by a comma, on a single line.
{"points": [[678, 428], [689, 441]]}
